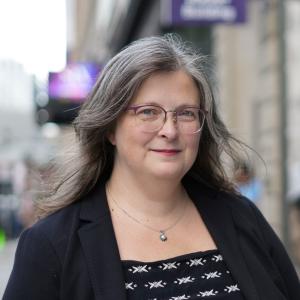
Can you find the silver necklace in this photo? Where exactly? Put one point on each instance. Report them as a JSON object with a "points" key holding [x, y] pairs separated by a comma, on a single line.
{"points": [[162, 232]]}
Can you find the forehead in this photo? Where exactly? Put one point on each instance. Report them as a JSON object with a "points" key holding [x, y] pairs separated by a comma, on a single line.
{"points": [[168, 88]]}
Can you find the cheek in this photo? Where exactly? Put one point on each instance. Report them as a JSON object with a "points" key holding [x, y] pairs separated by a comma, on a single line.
{"points": [[131, 141], [192, 146], [135, 138], [193, 143]]}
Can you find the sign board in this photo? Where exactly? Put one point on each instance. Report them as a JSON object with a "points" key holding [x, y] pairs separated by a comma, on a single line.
{"points": [[74, 83], [67, 90], [203, 12]]}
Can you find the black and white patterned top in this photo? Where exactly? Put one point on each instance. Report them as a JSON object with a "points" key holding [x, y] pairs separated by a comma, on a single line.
{"points": [[192, 276]]}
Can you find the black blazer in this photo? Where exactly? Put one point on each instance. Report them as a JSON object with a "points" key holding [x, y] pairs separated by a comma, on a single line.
{"points": [[73, 254]]}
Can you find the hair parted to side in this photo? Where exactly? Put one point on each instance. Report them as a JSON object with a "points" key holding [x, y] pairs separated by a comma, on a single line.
{"points": [[93, 155]]}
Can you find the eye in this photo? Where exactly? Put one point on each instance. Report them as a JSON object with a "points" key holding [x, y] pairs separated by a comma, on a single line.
{"points": [[148, 112], [187, 114]]}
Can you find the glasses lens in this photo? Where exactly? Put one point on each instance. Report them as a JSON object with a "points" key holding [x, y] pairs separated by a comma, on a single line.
{"points": [[190, 120], [150, 118]]}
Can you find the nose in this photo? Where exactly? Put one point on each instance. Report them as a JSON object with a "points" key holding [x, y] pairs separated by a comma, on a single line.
{"points": [[170, 129]]}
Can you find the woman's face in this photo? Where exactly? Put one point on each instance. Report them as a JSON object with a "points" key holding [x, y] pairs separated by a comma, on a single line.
{"points": [[166, 153]]}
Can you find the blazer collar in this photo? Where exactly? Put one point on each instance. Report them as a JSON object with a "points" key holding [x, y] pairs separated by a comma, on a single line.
{"points": [[218, 218], [100, 246]]}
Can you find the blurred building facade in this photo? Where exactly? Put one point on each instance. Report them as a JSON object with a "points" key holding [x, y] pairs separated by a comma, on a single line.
{"points": [[17, 129], [256, 63], [258, 69], [16, 104], [249, 63], [23, 147]]}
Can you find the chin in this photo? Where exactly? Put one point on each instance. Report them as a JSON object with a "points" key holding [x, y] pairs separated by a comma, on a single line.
{"points": [[168, 173]]}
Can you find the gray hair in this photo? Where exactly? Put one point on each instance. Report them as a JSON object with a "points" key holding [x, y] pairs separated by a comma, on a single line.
{"points": [[115, 88]]}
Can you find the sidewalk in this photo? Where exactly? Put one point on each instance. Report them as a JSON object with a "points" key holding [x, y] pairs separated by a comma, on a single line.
{"points": [[6, 263]]}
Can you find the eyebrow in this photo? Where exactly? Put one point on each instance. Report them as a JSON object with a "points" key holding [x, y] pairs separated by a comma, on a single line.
{"points": [[158, 104]]}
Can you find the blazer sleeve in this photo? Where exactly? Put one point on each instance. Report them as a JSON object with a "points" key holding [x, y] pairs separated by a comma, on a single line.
{"points": [[279, 256], [35, 273]]}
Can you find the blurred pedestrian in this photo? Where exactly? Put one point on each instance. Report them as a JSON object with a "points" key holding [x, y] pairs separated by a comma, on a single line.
{"points": [[247, 182], [144, 210]]}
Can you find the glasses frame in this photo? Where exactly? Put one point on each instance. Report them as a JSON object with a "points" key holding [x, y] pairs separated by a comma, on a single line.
{"points": [[134, 108]]}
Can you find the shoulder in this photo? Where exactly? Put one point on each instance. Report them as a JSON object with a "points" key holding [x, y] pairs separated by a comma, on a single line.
{"points": [[237, 203], [52, 233], [40, 256], [229, 206], [52, 225], [244, 212], [252, 224], [65, 222]]}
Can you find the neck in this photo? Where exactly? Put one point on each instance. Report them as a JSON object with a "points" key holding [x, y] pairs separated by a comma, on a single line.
{"points": [[147, 198]]}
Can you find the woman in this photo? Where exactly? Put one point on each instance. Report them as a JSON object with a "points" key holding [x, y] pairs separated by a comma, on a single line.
{"points": [[144, 209]]}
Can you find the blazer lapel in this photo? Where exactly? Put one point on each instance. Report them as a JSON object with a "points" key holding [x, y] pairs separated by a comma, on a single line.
{"points": [[218, 219], [100, 247]]}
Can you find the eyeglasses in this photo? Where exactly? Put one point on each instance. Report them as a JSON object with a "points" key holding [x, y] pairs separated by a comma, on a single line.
{"points": [[151, 118]]}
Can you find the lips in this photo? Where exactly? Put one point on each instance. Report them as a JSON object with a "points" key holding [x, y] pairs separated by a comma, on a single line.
{"points": [[166, 151]]}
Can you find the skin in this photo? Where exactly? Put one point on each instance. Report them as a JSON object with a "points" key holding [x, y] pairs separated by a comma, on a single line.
{"points": [[166, 154], [147, 174]]}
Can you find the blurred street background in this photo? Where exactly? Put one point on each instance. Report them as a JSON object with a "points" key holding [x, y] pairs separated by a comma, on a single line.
{"points": [[52, 51]]}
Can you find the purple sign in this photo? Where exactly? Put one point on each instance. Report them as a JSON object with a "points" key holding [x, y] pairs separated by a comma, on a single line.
{"points": [[74, 82], [197, 12]]}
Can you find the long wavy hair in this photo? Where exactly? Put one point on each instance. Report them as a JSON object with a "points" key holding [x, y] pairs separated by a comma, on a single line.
{"points": [[92, 156]]}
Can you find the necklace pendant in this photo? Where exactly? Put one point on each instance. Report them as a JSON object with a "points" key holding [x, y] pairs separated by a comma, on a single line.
{"points": [[162, 236]]}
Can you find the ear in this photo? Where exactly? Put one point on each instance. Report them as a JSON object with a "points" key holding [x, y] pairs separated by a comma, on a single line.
{"points": [[111, 138]]}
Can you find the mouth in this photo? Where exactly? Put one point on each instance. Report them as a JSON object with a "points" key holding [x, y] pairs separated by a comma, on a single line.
{"points": [[166, 151]]}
